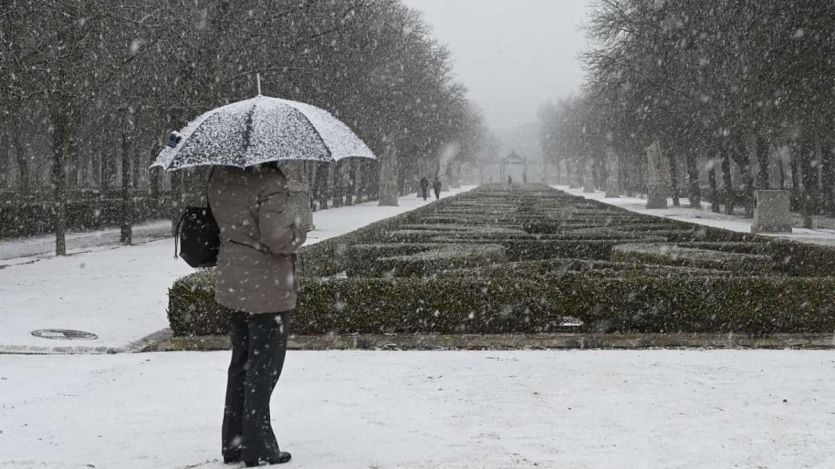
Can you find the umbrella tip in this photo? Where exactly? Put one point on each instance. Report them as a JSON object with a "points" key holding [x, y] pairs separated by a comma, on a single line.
{"points": [[258, 82]]}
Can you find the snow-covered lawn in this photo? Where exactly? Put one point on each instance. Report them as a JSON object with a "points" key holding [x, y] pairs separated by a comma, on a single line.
{"points": [[571, 409], [824, 233], [118, 292]]}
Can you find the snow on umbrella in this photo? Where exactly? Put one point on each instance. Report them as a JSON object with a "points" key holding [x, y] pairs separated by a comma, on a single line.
{"points": [[261, 130]]}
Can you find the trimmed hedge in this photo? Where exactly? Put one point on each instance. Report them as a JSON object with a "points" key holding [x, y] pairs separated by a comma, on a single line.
{"points": [[435, 261], [499, 261], [669, 254], [637, 303], [18, 219], [329, 257]]}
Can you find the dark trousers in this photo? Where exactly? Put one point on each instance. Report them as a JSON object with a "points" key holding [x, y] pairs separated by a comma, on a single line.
{"points": [[259, 343]]}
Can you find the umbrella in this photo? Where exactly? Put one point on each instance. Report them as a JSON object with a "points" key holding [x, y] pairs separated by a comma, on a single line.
{"points": [[260, 130]]}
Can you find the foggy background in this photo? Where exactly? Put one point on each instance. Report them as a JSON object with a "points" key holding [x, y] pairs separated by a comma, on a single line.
{"points": [[513, 55]]}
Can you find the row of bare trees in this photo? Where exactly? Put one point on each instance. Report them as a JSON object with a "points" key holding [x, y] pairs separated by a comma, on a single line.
{"points": [[90, 88], [741, 88]]}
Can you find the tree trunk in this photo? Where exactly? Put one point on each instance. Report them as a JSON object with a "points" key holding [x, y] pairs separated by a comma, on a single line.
{"points": [[315, 186], [322, 174], [809, 182], [24, 183], [73, 165], [372, 175], [311, 179], [694, 191], [762, 160], [349, 182], [389, 175], [579, 174], [828, 175], [807, 173], [740, 156], [641, 173], [95, 165], [359, 181], [61, 139], [728, 195], [176, 198], [337, 183], [154, 175], [782, 170], [5, 162], [403, 185], [674, 178], [136, 168], [795, 169], [629, 178], [598, 177], [714, 190], [108, 165], [126, 234]]}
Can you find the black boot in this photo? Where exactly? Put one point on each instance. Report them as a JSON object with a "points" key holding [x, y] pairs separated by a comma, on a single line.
{"points": [[279, 458], [232, 458]]}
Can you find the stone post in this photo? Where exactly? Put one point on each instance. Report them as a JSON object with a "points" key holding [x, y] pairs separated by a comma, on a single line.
{"points": [[771, 212], [658, 170]]}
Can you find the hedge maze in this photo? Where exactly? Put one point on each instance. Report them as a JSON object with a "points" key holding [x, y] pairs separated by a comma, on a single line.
{"points": [[531, 259]]}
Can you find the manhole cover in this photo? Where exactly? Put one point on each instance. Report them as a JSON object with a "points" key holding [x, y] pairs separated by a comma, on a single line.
{"points": [[64, 334], [571, 322]]}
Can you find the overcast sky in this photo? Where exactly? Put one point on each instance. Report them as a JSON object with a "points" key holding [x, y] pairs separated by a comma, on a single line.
{"points": [[511, 54]]}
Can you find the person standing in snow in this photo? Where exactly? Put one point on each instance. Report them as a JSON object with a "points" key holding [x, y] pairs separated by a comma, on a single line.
{"points": [[436, 186], [256, 278], [424, 187]]}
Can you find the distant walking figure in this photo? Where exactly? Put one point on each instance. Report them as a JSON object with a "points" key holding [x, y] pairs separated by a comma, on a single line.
{"points": [[256, 278], [437, 187], [510, 180], [424, 187]]}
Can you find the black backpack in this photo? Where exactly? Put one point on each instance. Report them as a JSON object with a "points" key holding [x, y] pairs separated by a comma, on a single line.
{"points": [[199, 237]]}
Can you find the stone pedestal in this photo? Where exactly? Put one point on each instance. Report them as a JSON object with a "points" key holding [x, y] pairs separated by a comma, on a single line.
{"points": [[771, 212], [658, 177], [656, 196]]}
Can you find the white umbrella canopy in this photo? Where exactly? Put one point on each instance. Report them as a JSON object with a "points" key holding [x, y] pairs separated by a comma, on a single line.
{"points": [[261, 130]]}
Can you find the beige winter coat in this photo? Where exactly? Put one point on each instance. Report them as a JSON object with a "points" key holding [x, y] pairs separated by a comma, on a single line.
{"points": [[256, 269]]}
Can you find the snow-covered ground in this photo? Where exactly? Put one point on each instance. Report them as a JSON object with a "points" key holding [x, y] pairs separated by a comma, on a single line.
{"points": [[570, 409], [687, 409], [118, 292], [44, 246], [823, 233]]}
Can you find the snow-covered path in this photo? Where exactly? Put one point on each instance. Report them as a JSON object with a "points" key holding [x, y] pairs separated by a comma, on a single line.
{"points": [[120, 292], [823, 233], [572, 409]]}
